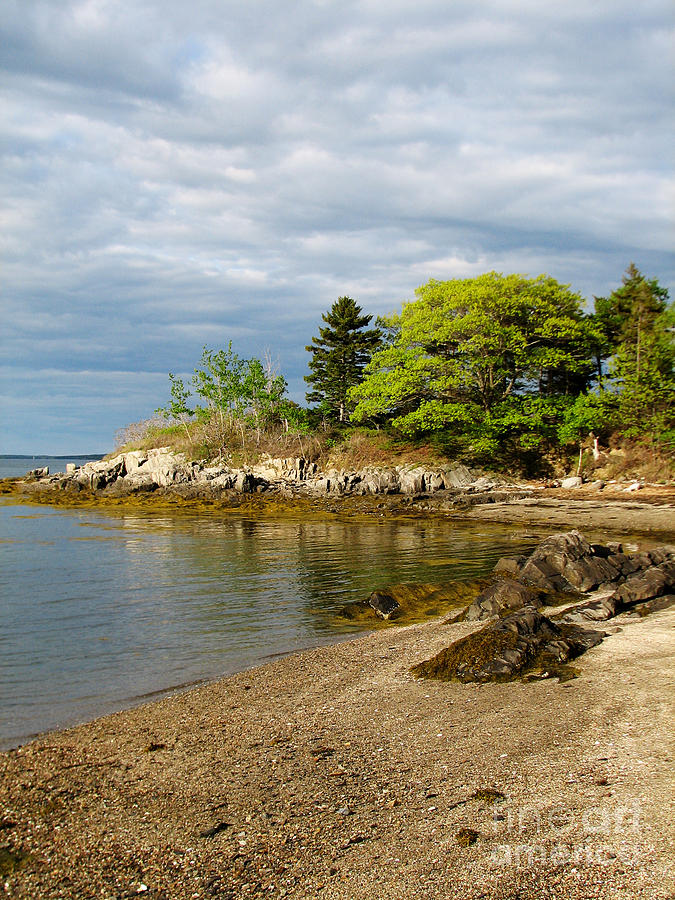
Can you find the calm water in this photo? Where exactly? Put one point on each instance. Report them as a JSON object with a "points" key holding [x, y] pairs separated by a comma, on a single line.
{"points": [[14, 466], [100, 610]]}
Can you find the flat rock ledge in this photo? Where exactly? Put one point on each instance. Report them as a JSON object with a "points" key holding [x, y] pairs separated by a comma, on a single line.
{"points": [[525, 636]]}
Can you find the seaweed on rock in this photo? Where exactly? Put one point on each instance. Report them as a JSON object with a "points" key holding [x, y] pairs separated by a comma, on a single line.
{"points": [[522, 644]]}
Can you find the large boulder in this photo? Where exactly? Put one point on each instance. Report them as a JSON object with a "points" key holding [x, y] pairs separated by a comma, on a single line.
{"points": [[100, 473], [458, 476], [412, 480], [523, 643], [567, 562], [245, 482], [167, 467], [654, 582], [292, 468], [134, 460]]}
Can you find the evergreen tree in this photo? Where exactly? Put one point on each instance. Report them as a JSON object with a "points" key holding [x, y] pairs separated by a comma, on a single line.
{"points": [[637, 323], [339, 356]]}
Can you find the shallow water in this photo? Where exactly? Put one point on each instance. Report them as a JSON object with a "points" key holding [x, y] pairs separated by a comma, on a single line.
{"points": [[101, 609]]}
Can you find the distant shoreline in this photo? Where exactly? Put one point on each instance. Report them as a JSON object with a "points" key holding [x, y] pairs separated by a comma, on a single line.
{"points": [[66, 456]]}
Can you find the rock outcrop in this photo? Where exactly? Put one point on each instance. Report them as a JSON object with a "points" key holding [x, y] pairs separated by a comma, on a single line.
{"points": [[523, 640], [503, 595], [137, 471]]}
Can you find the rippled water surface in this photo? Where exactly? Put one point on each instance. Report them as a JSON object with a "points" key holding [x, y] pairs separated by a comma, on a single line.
{"points": [[99, 610]]}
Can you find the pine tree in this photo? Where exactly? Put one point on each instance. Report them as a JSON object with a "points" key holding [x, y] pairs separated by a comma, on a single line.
{"points": [[339, 356], [638, 325]]}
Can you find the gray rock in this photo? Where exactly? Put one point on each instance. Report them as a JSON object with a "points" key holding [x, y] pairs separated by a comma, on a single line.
{"points": [[662, 554], [647, 585], [565, 562], [573, 481], [245, 483], [411, 481], [630, 563], [41, 472], [97, 475], [458, 476], [510, 565], [134, 460], [598, 610], [640, 610], [435, 481], [224, 481], [320, 486], [379, 481], [384, 605], [504, 595]]}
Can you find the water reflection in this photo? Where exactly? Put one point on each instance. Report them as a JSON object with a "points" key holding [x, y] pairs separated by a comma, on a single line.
{"points": [[103, 608]]}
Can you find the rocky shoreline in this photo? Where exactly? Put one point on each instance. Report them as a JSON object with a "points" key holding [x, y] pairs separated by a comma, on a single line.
{"points": [[352, 772], [159, 479], [137, 472]]}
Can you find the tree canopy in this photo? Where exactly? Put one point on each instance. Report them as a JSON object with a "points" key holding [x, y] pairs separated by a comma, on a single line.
{"points": [[339, 355], [487, 357], [638, 327], [498, 369]]}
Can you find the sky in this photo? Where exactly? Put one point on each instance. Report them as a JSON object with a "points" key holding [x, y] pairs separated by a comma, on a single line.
{"points": [[177, 174]]}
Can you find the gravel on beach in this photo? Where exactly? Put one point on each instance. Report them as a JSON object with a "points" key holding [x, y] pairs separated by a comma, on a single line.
{"points": [[334, 773]]}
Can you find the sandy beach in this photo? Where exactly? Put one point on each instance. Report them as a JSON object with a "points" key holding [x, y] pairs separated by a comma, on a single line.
{"points": [[334, 773]]}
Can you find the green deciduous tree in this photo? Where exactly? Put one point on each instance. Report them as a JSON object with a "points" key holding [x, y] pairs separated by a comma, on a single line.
{"points": [[177, 408], [490, 359], [220, 383], [263, 390], [339, 355]]}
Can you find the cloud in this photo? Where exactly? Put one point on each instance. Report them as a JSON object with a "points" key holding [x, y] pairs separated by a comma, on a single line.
{"points": [[175, 175]]}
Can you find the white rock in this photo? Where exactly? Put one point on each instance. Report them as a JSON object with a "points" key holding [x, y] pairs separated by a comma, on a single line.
{"points": [[412, 480], [573, 482]]}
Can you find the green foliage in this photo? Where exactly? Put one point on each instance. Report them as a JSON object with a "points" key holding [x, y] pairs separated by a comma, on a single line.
{"points": [[177, 408], [262, 391], [339, 356], [621, 316], [499, 369], [485, 358], [594, 412], [294, 418], [638, 325], [236, 393], [220, 383]]}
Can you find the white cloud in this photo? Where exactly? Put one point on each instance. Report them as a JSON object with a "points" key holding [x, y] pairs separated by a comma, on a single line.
{"points": [[178, 174]]}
